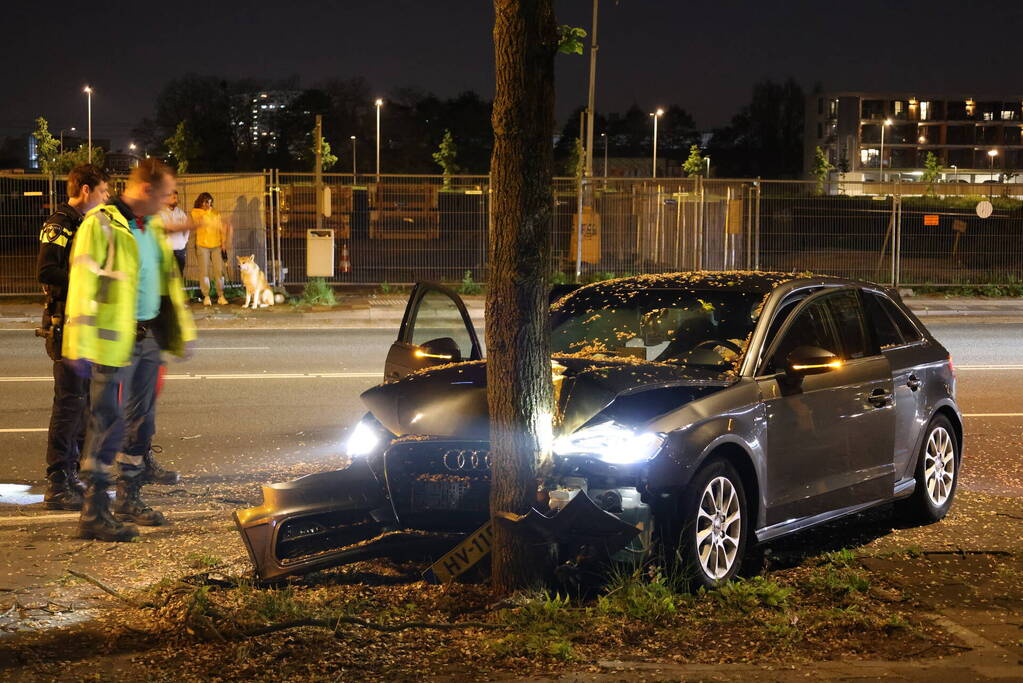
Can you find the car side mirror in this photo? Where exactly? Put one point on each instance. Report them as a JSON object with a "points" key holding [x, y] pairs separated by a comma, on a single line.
{"points": [[810, 360], [442, 350]]}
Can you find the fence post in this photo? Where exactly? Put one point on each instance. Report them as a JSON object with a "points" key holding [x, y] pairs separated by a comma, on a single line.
{"points": [[701, 224], [897, 237], [756, 233], [579, 231]]}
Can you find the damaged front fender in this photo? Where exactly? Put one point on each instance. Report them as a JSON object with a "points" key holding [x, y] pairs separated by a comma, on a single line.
{"points": [[315, 521]]}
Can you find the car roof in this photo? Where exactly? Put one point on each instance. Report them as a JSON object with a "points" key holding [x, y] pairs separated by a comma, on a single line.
{"points": [[756, 281]]}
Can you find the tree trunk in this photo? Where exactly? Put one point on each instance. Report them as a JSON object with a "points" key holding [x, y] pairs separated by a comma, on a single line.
{"points": [[518, 346]]}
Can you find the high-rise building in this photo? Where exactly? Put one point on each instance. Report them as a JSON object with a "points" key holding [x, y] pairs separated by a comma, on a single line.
{"points": [[974, 138], [256, 117]]}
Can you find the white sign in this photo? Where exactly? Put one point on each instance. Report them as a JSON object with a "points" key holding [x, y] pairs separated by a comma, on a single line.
{"points": [[984, 208]]}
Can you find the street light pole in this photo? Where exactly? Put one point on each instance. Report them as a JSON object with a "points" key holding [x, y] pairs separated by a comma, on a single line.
{"points": [[379, 103], [604, 135], [657, 114], [708, 166], [353, 160], [955, 173], [88, 94], [593, 88], [72, 129], [992, 153], [880, 158]]}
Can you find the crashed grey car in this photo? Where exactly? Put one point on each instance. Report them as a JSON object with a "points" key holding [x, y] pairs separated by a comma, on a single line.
{"points": [[702, 412]]}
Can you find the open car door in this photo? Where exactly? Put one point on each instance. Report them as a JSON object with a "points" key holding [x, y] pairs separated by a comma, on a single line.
{"points": [[435, 330]]}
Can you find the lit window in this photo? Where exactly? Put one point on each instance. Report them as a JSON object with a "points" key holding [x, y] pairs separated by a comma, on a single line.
{"points": [[925, 111], [1008, 115]]}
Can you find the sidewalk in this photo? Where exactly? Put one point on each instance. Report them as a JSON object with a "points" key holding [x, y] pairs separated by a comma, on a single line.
{"points": [[385, 311]]}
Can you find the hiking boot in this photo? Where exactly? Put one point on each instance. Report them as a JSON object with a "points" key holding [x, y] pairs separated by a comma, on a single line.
{"points": [[96, 520], [62, 492], [129, 506], [73, 480], [154, 473]]}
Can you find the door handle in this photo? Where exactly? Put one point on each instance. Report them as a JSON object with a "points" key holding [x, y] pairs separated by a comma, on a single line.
{"points": [[879, 398], [913, 382]]}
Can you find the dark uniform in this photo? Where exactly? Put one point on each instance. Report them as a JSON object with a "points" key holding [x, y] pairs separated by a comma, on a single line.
{"points": [[70, 392]]}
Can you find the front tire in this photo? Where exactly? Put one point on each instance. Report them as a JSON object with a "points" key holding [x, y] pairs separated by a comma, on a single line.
{"points": [[715, 523], [937, 475]]}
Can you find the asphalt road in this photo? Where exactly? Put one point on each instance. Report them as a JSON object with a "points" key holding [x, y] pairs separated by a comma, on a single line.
{"points": [[253, 400]]}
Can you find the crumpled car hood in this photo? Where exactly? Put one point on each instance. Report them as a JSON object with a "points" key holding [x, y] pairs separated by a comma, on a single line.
{"points": [[451, 400]]}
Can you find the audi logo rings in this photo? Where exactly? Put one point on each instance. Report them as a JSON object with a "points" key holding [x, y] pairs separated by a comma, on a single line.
{"points": [[456, 460]]}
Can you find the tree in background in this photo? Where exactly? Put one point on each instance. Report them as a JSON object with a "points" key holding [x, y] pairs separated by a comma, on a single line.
{"points": [[694, 164], [932, 171], [327, 158], [445, 157], [203, 103], [575, 163], [822, 169], [182, 147], [765, 139], [519, 388], [47, 146], [53, 159]]}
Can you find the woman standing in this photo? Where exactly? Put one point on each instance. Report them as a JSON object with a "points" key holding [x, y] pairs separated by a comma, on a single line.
{"points": [[212, 236]]}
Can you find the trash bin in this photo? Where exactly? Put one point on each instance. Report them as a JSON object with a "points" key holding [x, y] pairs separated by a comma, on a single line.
{"points": [[319, 253]]}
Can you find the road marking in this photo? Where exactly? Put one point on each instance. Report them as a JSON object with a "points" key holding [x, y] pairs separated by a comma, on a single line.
{"points": [[26, 520], [254, 375], [30, 429], [232, 348]]}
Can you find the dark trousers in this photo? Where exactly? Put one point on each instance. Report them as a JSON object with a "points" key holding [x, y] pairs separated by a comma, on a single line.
{"points": [[179, 256], [67, 419], [122, 421]]}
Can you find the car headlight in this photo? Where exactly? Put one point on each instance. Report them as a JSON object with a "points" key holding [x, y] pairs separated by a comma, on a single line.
{"points": [[611, 443], [363, 441]]}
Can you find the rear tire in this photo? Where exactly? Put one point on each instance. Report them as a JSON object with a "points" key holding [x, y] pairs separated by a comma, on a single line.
{"points": [[936, 475], [714, 523]]}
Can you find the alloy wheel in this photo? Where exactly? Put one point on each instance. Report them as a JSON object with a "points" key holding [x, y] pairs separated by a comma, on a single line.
{"points": [[718, 526], [939, 466]]}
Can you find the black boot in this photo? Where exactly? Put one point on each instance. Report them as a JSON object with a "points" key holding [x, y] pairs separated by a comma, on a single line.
{"points": [[96, 520], [154, 473], [73, 480], [61, 492], [129, 506]]}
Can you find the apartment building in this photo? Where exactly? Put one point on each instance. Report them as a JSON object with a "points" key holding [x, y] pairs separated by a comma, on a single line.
{"points": [[866, 134]]}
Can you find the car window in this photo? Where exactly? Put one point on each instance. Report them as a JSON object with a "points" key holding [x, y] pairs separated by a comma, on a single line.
{"points": [[909, 332], [439, 317], [885, 331], [848, 316], [811, 327], [780, 316]]}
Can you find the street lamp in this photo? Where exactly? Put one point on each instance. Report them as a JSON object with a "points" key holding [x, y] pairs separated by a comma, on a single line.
{"points": [[353, 160], [131, 146], [991, 154], [880, 158], [88, 94], [657, 114], [955, 173], [379, 103], [708, 166], [72, 129], [604, 136]]}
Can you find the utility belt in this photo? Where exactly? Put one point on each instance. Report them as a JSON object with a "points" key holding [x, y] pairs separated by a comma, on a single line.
{"points": [[52, 328], [144, 328]]}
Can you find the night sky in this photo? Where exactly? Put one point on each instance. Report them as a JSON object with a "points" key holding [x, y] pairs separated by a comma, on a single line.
{"points": [[704, 56]]}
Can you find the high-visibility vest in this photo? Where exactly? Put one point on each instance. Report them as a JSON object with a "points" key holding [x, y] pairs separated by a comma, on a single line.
{"points": [[103, 292]]}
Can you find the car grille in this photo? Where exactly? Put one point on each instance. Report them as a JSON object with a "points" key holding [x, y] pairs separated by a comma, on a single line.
{"points": [[439, 485]]}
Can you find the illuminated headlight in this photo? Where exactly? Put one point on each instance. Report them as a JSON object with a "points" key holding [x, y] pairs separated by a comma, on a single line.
{"points": [[363, 441], [611, 443]]}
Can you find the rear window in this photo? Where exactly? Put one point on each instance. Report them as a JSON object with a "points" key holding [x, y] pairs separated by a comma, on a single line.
{"points": [[906, 327], [885, 330]]}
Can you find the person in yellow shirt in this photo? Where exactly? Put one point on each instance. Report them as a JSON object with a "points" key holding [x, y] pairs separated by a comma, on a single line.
{"points": [[212, 237]]}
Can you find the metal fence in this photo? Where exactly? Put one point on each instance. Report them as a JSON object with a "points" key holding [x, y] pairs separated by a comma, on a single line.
{"points": [[401, 229]]}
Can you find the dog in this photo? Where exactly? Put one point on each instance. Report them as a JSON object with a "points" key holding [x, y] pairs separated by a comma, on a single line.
{"points": [[256, 289]]}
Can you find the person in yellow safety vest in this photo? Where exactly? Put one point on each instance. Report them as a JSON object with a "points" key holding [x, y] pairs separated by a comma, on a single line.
{"points": [[125, 304]]}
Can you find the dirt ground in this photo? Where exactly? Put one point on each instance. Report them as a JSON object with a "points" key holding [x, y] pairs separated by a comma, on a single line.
{"points": [[863, 597]]}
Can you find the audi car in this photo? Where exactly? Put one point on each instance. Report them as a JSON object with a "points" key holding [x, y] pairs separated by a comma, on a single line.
{"points": [[702, 412]]}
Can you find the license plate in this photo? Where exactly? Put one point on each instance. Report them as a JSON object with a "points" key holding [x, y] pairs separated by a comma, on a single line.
{"points": [[462, 557]]}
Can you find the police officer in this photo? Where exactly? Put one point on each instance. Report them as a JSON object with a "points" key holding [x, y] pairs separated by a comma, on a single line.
{"points": [[86, 188]]}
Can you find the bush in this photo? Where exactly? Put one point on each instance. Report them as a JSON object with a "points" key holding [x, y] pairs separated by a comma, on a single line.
{"points": [[469, 286], [318, 293], [646, 598]]}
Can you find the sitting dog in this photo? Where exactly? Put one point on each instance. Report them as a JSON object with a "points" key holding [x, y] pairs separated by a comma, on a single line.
{"points": [[256, 289]]}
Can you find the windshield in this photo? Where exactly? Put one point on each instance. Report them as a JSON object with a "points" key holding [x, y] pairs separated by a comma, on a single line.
{"points": [[683, 326]]}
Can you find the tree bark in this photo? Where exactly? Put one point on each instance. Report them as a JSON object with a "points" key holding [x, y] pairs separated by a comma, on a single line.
{"points": [[519, 391]]}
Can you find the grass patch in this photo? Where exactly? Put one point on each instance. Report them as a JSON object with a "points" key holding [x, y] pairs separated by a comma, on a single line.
{"points": [[542, 625], [318, 293], [202, 560], [646, 596], [468, 285], [748, 595]]}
